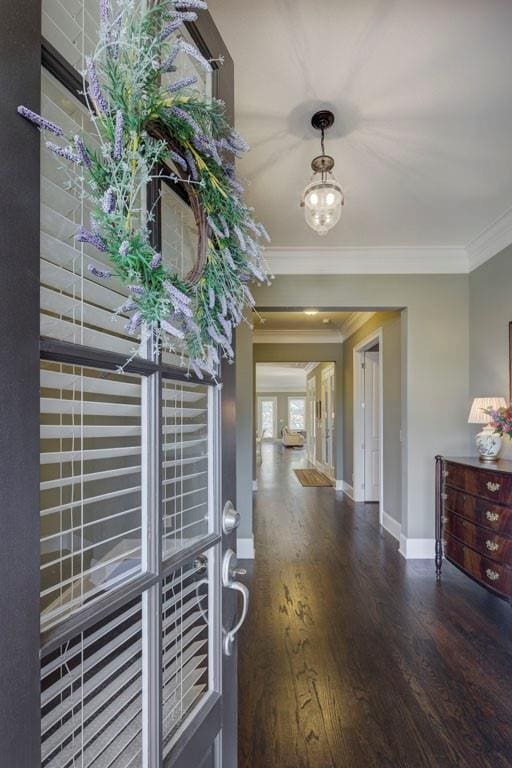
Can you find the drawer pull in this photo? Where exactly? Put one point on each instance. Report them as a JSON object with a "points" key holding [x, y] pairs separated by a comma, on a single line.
{"points": [[444, 519], [444, 496], [493, 487], [445, 473], [492, 516], [491, 545], [492, 575]]}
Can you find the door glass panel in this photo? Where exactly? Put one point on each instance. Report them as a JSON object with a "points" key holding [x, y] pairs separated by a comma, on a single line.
{"points": [[185, 639], [187, 465], [91, 696], [71, 26], [76, 306], [91, 517]]}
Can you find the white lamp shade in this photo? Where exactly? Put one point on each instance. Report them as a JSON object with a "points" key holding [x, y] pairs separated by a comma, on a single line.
{"points": [[477, 413]]}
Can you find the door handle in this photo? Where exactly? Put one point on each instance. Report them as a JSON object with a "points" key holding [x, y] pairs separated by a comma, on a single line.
{"points": [[229, 572]]}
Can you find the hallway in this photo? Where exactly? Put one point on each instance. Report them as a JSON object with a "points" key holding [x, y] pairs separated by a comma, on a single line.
{"points": [[353, 657]]}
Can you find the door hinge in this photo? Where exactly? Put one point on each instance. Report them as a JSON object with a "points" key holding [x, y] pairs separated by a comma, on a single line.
{"points": [[363, 365]]}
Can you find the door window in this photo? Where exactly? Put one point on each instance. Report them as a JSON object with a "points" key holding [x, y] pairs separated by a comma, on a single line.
{"points": [[297, 413]]}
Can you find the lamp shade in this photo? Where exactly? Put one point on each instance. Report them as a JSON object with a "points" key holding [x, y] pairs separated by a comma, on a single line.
{"points": [[477, 413]]}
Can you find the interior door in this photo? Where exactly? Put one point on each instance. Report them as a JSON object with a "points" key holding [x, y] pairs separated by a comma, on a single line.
{"points": [[311, 420], [371, 372], [328, 416]]}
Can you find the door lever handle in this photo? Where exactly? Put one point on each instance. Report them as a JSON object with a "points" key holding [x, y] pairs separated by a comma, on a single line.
{"points": [[229, 574]]}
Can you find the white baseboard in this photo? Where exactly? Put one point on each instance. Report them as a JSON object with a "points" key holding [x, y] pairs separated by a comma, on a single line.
{"points": [[417, 549], [392, 526], [346, 488], [338, 485], [245, 549], [255, 485]]}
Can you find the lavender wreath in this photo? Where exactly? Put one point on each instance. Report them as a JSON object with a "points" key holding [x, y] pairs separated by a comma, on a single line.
{"points": [[146, 119]]}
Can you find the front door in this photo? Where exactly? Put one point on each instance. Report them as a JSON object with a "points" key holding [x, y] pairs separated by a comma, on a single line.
{"points": [[135, 662]]}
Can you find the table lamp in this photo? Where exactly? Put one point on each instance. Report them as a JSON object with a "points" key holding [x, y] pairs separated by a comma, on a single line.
{"points": [[487, 441]]}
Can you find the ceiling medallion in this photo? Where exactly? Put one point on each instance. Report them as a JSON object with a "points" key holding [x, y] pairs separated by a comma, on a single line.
{"points": [[323, 197]]}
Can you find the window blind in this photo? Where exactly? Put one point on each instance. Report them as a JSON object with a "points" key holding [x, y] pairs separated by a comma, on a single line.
{"points": [[75, 306], [71, 26], [186, 465], [91, 435], [91, 696], [185, 637]]}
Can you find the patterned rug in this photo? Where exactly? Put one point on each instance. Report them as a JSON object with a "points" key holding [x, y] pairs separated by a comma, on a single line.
{"points": [[312, 478]]}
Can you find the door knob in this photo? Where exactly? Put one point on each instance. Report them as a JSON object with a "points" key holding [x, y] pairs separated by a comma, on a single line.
{"points": [[230, 518], [229, 573]]}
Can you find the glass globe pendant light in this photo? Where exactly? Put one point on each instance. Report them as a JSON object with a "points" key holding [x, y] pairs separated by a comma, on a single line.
{"points": [[322, 198]]}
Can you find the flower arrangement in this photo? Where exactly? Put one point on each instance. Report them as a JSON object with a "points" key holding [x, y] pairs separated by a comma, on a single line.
{"points": [[145, 120], [501, 420]]}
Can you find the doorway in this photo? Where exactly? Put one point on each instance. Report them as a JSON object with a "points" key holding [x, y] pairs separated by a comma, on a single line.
{"points": [[368, 419], [327, 417]]}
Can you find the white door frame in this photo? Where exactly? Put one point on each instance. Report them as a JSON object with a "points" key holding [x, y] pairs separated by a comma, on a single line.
{"points": [[364, 346]]}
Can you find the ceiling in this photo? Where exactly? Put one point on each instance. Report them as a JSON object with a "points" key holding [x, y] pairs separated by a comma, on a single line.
{"points": [[422, 96], [298, 321], [281, 377]]}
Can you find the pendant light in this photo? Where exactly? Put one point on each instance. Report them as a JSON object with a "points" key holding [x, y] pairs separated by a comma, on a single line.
{"points": [[322, 198]]}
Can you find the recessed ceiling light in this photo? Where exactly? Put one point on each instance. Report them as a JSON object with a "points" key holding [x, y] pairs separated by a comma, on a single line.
{"points": [[311, 311]]}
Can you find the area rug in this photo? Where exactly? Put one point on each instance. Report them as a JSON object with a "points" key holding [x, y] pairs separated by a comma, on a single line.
{"points": [[312, 478]]}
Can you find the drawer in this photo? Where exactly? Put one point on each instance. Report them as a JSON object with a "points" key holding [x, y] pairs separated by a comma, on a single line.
{"points": [[493, 575], [479, 511], [492, 545], [495, 486]]}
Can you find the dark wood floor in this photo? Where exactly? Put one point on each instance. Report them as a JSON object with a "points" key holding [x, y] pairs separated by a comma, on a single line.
{"points": [[354, 658]]}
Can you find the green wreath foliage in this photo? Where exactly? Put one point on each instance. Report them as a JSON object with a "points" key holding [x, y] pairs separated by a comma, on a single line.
{"points": [[149, 119]]}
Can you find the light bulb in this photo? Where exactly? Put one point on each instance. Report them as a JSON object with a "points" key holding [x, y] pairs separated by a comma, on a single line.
{"points": [[313, 199], [330, 198]]}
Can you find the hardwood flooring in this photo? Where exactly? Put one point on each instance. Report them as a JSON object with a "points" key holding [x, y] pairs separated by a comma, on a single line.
{"points": [[353, 657]]}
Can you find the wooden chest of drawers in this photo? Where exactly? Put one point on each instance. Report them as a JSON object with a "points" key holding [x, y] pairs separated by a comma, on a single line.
{"points": [[474, 520]]}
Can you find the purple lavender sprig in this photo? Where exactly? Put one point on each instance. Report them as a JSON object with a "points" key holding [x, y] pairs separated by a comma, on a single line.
{"points": [[135, 322], [82, 153], [42, 123], [136, 290], [170, 28], [118, 136], [200, 5], [192, 51], [226, 325], [249, 296], [184, 82], [186, 118], [168, 64], [193, 364], [101, 273], [155, 261], [92, 238], [264, 232], [64, 152], [216, 336], [179, 160], [124, 248], [216, 231], [94, 89], [105, 12], [211, 298], [228, 257], [191, 163], [171, 329], [241, 239], [223, 305], [109, 201]]}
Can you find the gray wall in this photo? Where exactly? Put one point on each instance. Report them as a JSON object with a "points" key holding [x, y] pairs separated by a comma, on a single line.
{"points": [[435, 358], [391, 361], [490, 313], [282, 407]]}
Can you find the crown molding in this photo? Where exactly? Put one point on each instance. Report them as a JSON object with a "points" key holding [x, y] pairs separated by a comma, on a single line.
{"points": [[297, 337], [367, 260], [355, 322], [490, 241]]}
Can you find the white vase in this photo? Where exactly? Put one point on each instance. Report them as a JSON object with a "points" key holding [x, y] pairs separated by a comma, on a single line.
{"points": [[488, 444]]}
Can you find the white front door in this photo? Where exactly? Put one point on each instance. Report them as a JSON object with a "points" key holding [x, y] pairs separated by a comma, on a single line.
{"points": [[371, 378], [328, 416]]}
